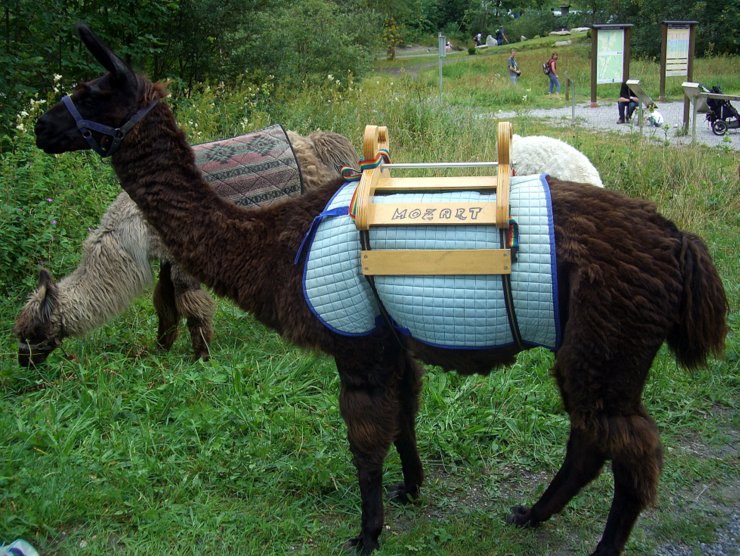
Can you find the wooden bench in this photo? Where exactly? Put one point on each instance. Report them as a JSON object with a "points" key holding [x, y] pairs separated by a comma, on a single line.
{"points": [[378, 181]]}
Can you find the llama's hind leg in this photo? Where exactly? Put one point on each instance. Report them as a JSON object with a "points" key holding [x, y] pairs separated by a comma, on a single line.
{"points": [[583, 462], [637, 459], [608, 421], [166, 308], [405, 442], [197, 306]]}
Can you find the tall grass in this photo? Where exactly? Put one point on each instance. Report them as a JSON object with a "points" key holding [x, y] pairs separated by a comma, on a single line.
{"points": [[113, 448]]}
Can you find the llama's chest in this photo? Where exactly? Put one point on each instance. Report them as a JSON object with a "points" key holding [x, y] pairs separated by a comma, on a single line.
{"points": [[455, 311]]}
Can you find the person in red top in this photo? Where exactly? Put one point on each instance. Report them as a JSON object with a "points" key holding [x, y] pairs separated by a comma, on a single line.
{"points": [[553, 75]]}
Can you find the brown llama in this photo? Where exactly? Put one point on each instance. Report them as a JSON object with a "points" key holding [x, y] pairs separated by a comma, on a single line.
{"points": [[628, 281], [115, 269]]}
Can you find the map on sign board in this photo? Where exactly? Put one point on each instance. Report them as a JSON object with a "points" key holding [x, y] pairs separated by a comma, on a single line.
{"points": [[610, 56], [677, 52]]}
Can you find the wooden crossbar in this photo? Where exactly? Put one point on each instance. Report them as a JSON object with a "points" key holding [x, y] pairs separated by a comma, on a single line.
{"points": [[425, 262], [415, 214], [434, 183]]}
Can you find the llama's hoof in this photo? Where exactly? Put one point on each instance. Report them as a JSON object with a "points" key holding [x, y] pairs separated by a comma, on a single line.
{"points": [[401, 495], [361, 545], [605, 551], [164, 346], [521, 516]]}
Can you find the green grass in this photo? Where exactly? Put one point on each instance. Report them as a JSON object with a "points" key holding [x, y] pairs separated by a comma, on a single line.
{"points": [[114, 448]]}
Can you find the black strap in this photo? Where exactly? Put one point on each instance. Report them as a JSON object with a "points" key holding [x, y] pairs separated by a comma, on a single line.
{"points": [[365, 244], [509, 301]]}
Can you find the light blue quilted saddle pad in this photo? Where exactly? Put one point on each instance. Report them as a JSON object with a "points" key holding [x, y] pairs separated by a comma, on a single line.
{"points": [[460, 312]]}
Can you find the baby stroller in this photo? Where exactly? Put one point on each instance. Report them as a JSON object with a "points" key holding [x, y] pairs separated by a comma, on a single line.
{"points": [[722, 114]]}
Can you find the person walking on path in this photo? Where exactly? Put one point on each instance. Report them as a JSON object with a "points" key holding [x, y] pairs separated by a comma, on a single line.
{"points": [[552, 64], [514, 71]]}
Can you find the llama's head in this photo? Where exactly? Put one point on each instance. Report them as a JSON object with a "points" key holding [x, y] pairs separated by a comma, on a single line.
{"points": [[99, 113], [39, 328]]}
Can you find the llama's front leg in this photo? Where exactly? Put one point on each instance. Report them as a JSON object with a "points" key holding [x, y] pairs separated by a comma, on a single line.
{"points": [[408, 400], [369, 405], [166, 308], [198, 308]]}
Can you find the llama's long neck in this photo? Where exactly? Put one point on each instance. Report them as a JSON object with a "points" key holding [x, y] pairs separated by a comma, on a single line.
{"points": [[233, 250]]}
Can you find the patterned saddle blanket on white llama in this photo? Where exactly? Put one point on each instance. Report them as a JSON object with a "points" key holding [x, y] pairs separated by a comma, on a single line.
{"points": [[461, 312], [253, 169]]}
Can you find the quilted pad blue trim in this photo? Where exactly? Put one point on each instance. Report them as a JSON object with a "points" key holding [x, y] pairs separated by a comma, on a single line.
{"points": [[460, 312]]}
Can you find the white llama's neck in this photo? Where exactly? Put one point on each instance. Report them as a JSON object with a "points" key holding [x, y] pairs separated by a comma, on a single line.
{"points": [[114, 270]]}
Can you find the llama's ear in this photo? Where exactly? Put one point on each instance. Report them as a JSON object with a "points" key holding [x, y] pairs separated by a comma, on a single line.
{"points": [[48, 290], [45, 284], [118, 69], [45, 279]]}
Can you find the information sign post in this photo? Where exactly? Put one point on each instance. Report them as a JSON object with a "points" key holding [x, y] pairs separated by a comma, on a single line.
{"points": [[610, 55], [677, 56]]}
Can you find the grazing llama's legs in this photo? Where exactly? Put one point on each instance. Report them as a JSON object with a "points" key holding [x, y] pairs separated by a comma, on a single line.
{"points": [[179, 294], [164, 305]]}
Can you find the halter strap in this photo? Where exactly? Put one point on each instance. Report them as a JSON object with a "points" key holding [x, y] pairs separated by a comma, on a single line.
{"points": [[86, 127]]}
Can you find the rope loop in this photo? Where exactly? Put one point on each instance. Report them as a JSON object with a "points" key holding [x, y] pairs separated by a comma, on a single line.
{"points": [[350, 174]]}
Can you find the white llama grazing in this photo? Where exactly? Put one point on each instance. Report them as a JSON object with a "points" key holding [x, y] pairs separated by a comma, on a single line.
{"points": [[538, 154], [115, 269]]}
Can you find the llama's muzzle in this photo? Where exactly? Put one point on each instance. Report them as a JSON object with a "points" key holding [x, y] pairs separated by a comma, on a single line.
{"points": [[31, 355]]}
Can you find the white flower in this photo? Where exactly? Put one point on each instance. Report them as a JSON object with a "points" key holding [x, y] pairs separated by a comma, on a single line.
{"points": [[330, 77]]}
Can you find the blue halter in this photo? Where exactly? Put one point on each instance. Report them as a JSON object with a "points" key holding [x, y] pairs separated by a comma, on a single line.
{"points": [[86, 127]]}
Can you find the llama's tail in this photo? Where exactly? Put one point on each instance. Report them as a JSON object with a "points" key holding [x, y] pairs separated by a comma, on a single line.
{"points": [[702, 320]]}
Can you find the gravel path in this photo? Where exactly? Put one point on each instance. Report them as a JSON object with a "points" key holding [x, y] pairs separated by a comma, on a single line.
{"points": [[605, 117], [725, 545]]}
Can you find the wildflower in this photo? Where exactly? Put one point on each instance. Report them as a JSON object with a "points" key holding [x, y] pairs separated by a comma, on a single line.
{"points": [[57, 78], [20, 127], [330, 77], [54, 222], [49, 200]]}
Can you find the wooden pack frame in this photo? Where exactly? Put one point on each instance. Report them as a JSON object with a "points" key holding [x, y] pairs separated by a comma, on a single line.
{"points": [[432, 261]]}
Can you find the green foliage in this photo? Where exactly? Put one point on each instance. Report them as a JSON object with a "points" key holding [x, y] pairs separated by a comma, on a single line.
{"points": [[46, 205], [533, 23], [311, 39], [213, 111], [391, 37]]}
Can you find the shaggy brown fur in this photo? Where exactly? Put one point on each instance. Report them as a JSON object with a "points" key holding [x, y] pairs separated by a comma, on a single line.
{"points": [[114, 270], [628, 279]]}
